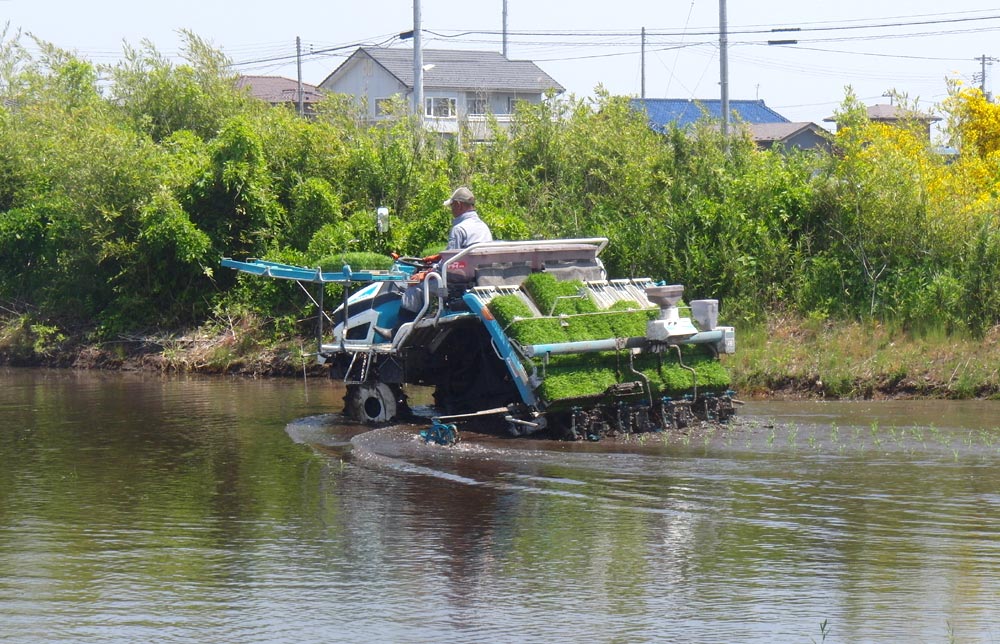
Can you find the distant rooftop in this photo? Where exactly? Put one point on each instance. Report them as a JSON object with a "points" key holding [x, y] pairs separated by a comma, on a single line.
{"points": [[461, 69], [890, 113], [278, 89], [769, 132], [683, 112]]}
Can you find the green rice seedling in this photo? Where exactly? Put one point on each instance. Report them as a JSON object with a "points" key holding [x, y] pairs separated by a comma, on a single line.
{"points": [[628, 321], [583, 327], [538, 331], [876, 437], [824, 630], [514, 315], [576, 318], [559, 298], [591, 374], [566, 379], [940, 437], [505, 308], [358, 261]]}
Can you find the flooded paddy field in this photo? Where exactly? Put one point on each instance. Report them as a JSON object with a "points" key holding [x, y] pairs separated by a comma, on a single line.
{"points": [[135, 507]]}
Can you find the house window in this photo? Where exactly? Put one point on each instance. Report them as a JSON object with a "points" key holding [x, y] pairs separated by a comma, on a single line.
{"points": [[440, 107], [477, 105]]}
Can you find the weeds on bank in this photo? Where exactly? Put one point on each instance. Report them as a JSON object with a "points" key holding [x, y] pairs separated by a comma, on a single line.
{"points": [[840, 359], [23, 337]]}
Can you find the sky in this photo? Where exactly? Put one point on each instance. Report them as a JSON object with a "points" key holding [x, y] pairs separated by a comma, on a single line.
{"points": [[876, 48]]}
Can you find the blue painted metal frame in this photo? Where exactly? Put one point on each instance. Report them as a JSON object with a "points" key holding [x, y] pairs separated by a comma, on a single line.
{"points": [[504, 348], [302, 274]]}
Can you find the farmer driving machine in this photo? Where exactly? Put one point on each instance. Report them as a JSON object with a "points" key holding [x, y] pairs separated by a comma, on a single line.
{"points": [[530, 333]]}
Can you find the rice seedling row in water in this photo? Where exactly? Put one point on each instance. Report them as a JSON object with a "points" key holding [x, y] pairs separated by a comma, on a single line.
{"points": [[577, 318]]}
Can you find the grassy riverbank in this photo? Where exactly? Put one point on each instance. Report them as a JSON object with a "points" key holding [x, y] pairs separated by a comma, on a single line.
{"points": [[242, 347], [784, 357], [852, 360]]}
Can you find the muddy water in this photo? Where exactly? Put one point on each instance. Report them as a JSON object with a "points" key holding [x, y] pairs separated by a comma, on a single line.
{"points": [[135, 508]]}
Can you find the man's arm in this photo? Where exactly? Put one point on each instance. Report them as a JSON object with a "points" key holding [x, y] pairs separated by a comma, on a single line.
{"points": [[456, 238]]}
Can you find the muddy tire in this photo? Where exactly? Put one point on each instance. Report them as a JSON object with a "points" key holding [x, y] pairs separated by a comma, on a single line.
{"points": [[374, 403]]}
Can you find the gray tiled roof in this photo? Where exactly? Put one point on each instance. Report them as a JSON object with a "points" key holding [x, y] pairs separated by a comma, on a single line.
{"points": [[278, 89], [883, 112], [465, 69], [779, 131]]}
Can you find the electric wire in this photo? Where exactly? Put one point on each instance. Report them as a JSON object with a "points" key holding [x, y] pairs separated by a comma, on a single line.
{"points": [[553, 47], [673, 69]]}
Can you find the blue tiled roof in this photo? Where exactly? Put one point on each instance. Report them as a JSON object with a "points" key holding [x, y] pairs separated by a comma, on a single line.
{"points": [[684, 112]]}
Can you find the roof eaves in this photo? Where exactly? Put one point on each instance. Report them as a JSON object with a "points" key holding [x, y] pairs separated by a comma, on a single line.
{"points": [[353, 57]]}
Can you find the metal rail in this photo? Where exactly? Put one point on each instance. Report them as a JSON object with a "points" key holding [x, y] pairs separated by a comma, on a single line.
{"points": [[316, 275], [600, 242], [613, 344]]}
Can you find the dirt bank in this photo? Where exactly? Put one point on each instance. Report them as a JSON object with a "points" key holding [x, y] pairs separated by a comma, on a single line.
{"points": [[785, 358]]}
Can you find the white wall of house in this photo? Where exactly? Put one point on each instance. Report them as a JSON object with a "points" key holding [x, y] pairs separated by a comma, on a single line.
{"points": [[366, 79], [363, 77], [481, 102], [473, 103]]}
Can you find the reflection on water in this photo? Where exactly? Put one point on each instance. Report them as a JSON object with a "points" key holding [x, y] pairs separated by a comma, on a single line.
{"points": [[139, 508]]}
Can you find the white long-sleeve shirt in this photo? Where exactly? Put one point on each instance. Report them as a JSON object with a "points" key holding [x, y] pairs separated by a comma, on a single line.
{"points": [[468, 229]]}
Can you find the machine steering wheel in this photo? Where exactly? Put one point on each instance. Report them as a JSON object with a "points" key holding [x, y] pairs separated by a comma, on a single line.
{"points": [[415, 262]]}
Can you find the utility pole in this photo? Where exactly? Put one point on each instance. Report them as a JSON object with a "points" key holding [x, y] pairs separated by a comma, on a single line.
{"points": [[984, 60], [724, 67], [504, 28], [643, 62], [418, 66], [300, 100]]}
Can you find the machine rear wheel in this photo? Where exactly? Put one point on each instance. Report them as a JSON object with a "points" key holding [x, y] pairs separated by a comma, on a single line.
{"points": [[374, 402]]}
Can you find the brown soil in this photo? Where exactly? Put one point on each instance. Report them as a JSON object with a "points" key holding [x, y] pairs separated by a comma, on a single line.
{"points": [[757, 373]]}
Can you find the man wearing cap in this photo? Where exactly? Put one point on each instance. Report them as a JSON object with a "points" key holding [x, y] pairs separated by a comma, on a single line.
{"points": [[466, 229], [466, 226]]}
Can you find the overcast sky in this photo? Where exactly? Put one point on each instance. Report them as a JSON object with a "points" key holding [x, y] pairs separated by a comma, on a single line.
{"points": [[910, 47]]}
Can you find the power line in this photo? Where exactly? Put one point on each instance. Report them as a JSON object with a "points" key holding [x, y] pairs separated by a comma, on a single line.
{"points": [[707, 32], [621, 53], [878, 55], [324, 52]]}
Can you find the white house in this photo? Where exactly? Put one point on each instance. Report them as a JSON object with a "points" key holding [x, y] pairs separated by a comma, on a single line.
{"points": [[459, 85]]}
